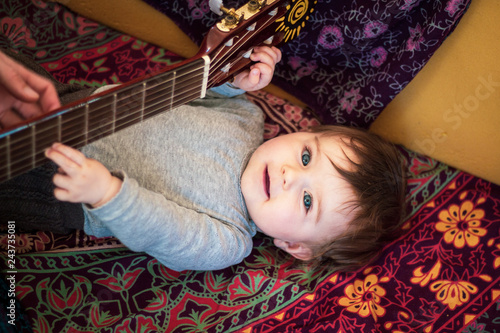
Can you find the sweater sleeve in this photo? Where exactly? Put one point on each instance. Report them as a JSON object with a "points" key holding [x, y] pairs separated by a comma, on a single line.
{"points": [[227, 90], [179, 237]]}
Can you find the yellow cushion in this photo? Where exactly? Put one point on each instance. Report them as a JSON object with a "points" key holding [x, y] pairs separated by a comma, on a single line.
{"points": [[138, 19], [451, 110]]}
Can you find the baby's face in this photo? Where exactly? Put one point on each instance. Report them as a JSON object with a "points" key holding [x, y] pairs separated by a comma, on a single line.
{"points": [[292, 191]]}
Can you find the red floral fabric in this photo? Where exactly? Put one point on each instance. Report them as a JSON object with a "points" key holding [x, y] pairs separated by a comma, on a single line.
{"points": [[442, 275]]}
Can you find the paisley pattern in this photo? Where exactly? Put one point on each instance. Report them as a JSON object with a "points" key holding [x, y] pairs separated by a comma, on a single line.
{"points": [[353, 56], [442, 275]]}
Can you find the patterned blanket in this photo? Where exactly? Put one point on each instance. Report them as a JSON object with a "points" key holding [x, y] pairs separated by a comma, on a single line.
{"points": [[441, 276]]}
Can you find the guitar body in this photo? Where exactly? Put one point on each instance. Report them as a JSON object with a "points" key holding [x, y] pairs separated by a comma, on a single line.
{"points": [[224, 53]]}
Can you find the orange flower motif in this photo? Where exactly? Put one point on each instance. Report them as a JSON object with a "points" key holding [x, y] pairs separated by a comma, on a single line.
{"points": [[422, 278], [363, 297], [452, 293], [461, 225], [496, 263]]}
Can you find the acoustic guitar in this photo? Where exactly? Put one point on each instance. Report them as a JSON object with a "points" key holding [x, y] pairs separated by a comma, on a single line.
{"points": [[224, 53]]}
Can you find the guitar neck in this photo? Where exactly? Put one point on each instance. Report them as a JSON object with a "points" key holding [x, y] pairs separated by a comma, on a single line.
{"points": [[229, 43], [22, 148]]}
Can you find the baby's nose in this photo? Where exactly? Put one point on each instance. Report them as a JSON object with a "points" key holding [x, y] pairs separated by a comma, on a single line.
{"points": [[290, 177]]}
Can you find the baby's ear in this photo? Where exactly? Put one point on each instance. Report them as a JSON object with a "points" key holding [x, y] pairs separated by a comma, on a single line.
{"points": [[298, 250]]}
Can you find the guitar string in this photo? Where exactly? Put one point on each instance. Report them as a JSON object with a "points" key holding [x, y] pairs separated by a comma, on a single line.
{"points": [[134, 120], [157, 97], [70, 117], [213, 68], [127, 89], [35, 161], [39, 157]]}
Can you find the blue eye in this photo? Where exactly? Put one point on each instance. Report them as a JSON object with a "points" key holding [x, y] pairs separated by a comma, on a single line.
{"points": [[307, 200], [306, 157]]}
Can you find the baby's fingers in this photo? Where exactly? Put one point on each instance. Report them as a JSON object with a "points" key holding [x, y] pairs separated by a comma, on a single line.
{"points": [[267, 55], [254, 76], [68, 159], [63, 195], [263, 72], [73, 154], [62, 191]]}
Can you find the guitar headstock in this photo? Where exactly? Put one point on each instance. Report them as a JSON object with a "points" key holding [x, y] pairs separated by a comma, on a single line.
{"points": [[230, 42]]}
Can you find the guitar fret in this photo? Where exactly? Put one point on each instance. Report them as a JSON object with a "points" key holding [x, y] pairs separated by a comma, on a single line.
{"points": [[5, 168], [9, 171], [128, 107], [143, 99], [172, 95], [194, 81], [113, 130], [59, 129], [206, 67], [20, 160], [45, 136], [86, 124], [33, 145], [72, 130], [159, 88], [100, 118]]}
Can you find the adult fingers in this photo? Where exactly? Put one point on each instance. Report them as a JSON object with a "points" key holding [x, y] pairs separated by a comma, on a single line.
{"points": [[12, 77], [9, 118], [48, 98], [27, 86]]}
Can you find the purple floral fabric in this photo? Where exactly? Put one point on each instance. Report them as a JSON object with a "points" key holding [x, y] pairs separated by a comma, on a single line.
{"points": [[353, 56]]}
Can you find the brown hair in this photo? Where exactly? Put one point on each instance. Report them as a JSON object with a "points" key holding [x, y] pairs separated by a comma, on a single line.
{"points": [[378, 179]]}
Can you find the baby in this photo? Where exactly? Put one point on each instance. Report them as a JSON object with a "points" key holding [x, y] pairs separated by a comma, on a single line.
{"points": [[191, 187]]}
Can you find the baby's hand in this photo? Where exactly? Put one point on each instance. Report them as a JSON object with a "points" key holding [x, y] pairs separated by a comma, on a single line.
{"points": [[81, 179], [261, 73]]}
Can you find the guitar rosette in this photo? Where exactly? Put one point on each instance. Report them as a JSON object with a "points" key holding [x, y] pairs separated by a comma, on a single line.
{"points": [[298, 12]]}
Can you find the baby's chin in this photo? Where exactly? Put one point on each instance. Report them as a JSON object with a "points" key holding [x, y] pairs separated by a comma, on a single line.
{"points": [[258, 224]]}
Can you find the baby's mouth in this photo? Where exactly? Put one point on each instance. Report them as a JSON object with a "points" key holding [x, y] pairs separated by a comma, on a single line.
{"points": [[266, 182]]}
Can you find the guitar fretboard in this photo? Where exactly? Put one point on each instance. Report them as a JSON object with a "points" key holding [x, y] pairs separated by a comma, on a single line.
{"points": [[22, 149]]}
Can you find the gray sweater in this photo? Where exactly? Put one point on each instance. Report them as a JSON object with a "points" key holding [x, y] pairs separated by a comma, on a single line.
{"points": [[181, 199]]}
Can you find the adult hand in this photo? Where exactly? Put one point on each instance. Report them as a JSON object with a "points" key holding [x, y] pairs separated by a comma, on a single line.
{"points": [[23, 93], [260, 73]]}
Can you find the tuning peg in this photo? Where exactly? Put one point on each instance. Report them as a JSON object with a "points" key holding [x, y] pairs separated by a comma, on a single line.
{"points": [[252, 27], [215, 6], [269, 40], [247, 54], [226, 68], [229, 43], [273, 12]]}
